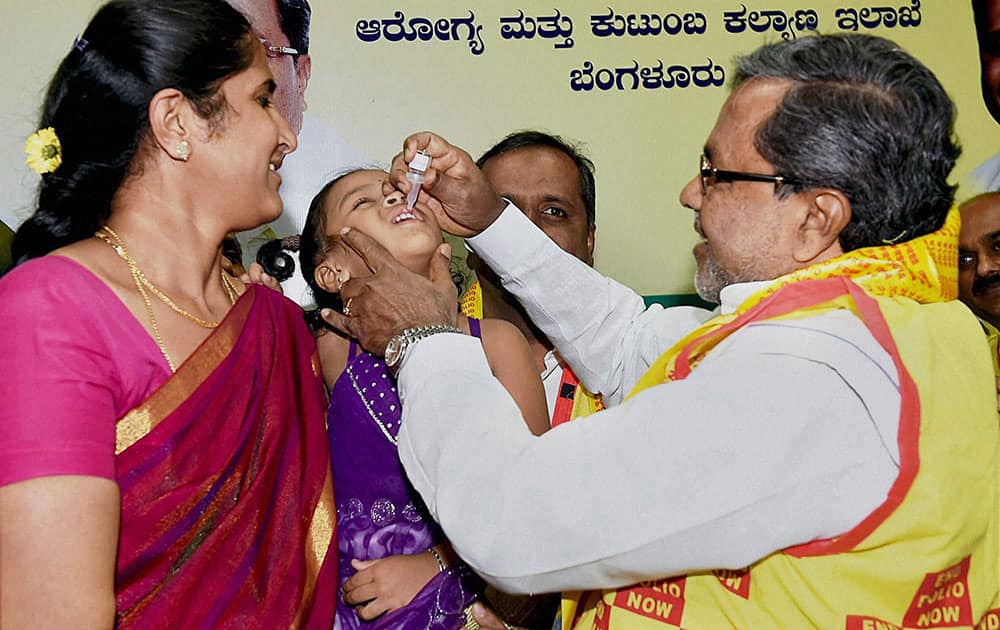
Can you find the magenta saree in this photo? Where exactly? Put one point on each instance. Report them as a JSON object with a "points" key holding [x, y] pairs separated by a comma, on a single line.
{"points": [[226, 493]]}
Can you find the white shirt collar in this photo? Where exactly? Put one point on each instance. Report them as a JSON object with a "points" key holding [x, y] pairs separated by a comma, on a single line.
{"points": [[552, 361], [735, 294]]}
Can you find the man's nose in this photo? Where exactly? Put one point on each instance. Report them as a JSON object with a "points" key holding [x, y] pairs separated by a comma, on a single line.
{"points": [[287, 137], [691, 195], [988, 264]]}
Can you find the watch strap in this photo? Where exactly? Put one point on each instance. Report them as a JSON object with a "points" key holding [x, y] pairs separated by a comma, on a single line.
{"points": [[408, 337]]}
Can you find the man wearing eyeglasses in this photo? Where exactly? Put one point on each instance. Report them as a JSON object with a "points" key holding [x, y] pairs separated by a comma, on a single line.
{"points": [[283, 27], [821, 453]]}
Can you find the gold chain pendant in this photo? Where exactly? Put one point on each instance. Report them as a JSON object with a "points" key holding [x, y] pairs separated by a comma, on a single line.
{"points": [[142, 284]]}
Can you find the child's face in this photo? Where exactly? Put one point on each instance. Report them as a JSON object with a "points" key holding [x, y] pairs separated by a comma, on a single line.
{"points": [[357, 201]]}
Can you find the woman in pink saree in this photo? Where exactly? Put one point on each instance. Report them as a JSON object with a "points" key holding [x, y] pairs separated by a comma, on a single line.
{"points": [[163, 457]]}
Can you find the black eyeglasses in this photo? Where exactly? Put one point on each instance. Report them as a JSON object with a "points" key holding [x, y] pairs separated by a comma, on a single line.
{"points": [[274, 52], [711, 175]]}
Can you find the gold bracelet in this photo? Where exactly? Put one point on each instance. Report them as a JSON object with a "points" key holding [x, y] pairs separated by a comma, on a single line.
{"points": [[470, 620], [437, 556]]}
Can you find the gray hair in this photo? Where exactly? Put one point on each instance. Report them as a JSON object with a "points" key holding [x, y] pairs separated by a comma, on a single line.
{"points": [[866, 118]]}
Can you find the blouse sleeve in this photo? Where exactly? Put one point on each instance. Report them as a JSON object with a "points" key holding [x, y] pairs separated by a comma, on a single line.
{"points": [[56, 378]]}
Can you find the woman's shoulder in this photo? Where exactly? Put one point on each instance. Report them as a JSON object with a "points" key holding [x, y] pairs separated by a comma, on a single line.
{"points": [[57, 302], [50, 282], [66, 347], [48, 270]]}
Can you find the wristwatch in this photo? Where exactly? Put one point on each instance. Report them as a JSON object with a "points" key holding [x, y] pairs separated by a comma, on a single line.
{"points": [[396, 348]]}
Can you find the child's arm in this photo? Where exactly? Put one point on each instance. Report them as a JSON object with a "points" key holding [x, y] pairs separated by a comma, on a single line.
{"points": [[510, 359], [333, 348], [383, 585]]}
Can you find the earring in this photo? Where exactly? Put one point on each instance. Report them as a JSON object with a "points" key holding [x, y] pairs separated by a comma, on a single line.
{"points": [[183, 150]]}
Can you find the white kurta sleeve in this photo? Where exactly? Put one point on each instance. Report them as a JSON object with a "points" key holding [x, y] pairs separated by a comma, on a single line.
{"points": [[782, 435]]}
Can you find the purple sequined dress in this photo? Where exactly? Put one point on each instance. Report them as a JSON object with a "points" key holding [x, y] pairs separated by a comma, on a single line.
{"points": [[378, 513]]}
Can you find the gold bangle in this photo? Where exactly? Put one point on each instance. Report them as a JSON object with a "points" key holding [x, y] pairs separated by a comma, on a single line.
{"points": [[437, 556], [472, 624], [470, 620]]}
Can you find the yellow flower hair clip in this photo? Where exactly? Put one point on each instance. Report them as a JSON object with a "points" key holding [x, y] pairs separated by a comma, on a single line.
{"points": [[44, 151]]}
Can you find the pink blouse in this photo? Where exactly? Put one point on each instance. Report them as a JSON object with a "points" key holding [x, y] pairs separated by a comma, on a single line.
{"points": [[73, 359]]}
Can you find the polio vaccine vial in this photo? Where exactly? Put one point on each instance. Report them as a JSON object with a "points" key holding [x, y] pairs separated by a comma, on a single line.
{"points": [[415, 175]]}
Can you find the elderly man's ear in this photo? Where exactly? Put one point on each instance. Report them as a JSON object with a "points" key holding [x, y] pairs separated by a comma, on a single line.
{"points": [[822, 219]]}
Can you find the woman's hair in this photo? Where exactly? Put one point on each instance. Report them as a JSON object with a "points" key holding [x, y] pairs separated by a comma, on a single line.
{"points": [[97, 102]]}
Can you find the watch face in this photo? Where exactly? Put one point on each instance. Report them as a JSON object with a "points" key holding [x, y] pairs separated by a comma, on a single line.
{"points": [[392, 353]]}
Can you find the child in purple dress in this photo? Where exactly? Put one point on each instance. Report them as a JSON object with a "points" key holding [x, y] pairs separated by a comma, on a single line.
{"points": [[396, 569]]}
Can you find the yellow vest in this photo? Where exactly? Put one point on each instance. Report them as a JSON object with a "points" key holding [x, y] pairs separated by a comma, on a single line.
{"points": [[928, 556], [584, 403]]}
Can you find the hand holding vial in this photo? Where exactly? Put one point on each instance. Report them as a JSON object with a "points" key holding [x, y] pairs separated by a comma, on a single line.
{"points": [[455, 190]]}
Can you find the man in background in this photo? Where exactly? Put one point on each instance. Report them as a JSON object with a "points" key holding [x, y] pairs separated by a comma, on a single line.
{"points": [[979, 263], [552, 183], [322, 152]]}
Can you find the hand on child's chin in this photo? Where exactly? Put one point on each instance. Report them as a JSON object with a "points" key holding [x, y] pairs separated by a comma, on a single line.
{"points": [[347, 261]]}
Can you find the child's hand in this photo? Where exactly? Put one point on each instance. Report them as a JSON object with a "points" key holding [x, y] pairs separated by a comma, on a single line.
{"points": [[257, 275], [387, 584]]}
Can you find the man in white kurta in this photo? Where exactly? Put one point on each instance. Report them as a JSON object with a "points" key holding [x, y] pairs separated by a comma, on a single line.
{"points": [[788, 430], [718, 426]]}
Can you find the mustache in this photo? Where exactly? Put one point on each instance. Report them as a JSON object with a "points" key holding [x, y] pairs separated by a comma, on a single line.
{"points": [[982, 284]]}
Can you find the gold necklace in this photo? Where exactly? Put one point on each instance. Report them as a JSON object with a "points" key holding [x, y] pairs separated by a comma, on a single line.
{"points": [[227, 284], [142, 283]]}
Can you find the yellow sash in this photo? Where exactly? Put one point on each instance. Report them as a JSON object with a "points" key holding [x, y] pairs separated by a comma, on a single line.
{"points": [[924, 269]]}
